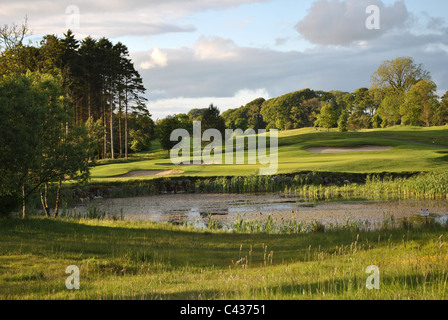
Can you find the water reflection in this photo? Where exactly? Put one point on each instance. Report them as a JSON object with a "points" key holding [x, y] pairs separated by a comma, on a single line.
{"points": [[201, 209]]}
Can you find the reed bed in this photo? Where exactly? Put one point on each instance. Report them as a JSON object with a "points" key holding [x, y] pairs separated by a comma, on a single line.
{"points": [[294, 225], [310, 186]]}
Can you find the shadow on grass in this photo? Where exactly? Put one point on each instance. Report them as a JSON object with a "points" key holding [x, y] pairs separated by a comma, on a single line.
{"points": [[62, 240], [391, 287], [442, 158], [390, 137]]}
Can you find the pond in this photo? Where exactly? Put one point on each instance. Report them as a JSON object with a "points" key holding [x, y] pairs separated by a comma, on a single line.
{"points": [[227, 208]]}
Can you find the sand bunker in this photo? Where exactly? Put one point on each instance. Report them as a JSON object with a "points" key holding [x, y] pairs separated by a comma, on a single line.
{"points": [[143, 173], [348, 149], [203, 163], [170, 172]]}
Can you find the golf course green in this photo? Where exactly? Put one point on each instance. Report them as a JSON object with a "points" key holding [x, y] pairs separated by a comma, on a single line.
{"points": [[413, 149]]}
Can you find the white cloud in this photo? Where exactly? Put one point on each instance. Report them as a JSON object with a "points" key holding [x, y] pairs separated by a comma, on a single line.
{"points": [[215, 48], [186, 79], [164, 107], [158, 59], [334, 22], [111, 18]]}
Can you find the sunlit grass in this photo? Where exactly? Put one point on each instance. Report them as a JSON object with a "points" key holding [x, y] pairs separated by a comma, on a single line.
{"points": [[145, 260], [415, 149]]}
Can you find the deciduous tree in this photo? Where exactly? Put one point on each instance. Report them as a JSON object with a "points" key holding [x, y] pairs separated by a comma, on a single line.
{"points": [[327, 117]]}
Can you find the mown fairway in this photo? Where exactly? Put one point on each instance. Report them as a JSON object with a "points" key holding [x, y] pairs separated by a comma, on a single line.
{"points": [[415, 149], [129, 260]]}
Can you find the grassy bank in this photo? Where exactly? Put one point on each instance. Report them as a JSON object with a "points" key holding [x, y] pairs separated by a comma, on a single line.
{"points": [[143, 260]]}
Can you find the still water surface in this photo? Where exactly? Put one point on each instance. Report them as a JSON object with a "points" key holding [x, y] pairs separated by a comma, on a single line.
{"points": [[227, 208]]}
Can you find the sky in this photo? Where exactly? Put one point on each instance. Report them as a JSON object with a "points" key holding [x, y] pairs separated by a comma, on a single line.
{"points": [[229, 52]]}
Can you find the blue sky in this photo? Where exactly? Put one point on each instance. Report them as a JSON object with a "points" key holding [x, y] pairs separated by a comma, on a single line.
{"points": [[229, 52]]}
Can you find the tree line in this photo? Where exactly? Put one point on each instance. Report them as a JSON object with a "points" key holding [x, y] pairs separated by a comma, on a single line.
{"points": [[64, 103], [401, 93], [101, 81]]}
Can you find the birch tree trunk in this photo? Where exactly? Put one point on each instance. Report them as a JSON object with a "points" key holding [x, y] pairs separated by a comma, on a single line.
{"points": [[23, 202], [119, 128], [111, 126], [58, 194], [43, 199]]}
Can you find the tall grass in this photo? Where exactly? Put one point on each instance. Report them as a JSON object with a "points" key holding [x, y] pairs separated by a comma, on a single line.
{"points": [[130, 260], [311, 186], [294, 225], [92, 212], [431, 186]]}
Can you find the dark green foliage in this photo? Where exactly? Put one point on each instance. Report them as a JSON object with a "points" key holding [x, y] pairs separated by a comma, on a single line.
{"points": [[213, 120], [245, 117], [196, 114], [38, 145], [381, 105], [140, 141], [399, 74], [376, 121], [164, 128], [8, 203], [99, 79], [278, 112], [305, 114], [441, 112], [397, 96], [22, 114], [389, 109], [359, 121], [342, 121], [210, 119], [184, 122], [327, 117], [142, 131]]}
